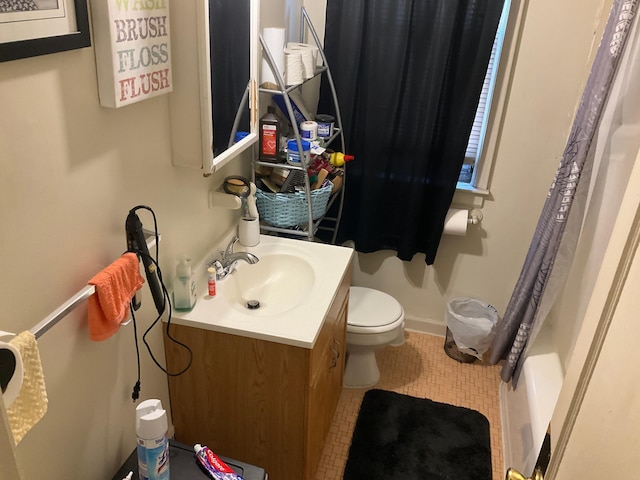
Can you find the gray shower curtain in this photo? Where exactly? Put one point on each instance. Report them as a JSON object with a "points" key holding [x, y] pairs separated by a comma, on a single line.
{"points": [[543, 261]]}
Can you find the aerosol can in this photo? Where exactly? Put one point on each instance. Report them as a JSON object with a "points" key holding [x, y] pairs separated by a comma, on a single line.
{"points": [[153, 445]]}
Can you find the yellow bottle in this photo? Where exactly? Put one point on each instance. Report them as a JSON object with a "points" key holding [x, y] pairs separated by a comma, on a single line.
{"points": [[338, 159]]}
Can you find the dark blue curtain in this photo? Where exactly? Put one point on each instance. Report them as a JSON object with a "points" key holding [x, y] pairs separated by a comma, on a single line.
{"points": [[408, 75]]}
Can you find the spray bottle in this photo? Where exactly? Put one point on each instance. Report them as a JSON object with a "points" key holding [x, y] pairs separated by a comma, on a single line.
{"points": [[153, 445]]}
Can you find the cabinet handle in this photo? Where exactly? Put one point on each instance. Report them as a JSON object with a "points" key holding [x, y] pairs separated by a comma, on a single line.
{"points": [[334, 357], [339, 345]]}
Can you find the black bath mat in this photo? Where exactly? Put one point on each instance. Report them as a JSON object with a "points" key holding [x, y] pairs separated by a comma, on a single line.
{"points": [[402, 437]]}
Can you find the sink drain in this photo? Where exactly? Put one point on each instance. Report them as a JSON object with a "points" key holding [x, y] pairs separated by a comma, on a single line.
{"points": [[253, 304]]}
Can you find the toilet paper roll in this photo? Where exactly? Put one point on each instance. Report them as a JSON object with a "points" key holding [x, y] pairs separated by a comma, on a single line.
{"points": [[11, 369], [456, 222], [275, 40], [294, 68], [308, 55]]}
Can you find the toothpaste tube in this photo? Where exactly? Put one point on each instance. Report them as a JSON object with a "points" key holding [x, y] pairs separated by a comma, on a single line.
{"points": [[215, 467]]}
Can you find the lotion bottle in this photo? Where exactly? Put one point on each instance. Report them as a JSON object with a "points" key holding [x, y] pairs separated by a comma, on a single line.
{"points": [[184, 286]]}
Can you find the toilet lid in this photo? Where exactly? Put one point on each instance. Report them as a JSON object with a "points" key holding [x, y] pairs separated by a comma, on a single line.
{"points": [[372, 308]]}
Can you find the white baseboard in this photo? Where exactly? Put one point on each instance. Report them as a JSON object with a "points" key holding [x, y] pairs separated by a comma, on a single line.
{"points": [[424, 325]]}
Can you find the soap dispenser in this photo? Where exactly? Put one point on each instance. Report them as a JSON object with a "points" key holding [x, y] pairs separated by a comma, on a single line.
{"points": [[184, 286]]}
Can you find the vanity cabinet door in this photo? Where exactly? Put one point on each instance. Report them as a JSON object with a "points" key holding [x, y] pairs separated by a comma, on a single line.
{"points": [[327, 369], [242, 397]]}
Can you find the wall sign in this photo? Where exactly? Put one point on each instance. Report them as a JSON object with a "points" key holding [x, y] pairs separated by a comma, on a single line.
{"points": [[133, 50]]}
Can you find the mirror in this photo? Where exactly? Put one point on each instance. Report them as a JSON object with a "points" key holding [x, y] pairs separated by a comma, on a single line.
{"points": [[229, 52], [214, 66]]}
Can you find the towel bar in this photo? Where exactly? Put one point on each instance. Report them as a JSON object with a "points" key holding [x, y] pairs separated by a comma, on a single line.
{"points": [[79, 297]]}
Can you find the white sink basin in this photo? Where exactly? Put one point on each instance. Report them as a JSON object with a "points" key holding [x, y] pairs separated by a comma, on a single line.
{"points": [[277, 283], [294, 282]]}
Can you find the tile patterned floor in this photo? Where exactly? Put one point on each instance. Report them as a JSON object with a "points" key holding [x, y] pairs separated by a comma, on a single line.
{"points": [[422, 369]]}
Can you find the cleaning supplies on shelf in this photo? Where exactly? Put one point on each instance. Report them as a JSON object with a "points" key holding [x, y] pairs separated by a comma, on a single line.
{"points": [[336, 178], [322, 175], [338, 159], [269, 135], [184, 286], [325, 125], [309, 130], [300, 112], [293, 154]]}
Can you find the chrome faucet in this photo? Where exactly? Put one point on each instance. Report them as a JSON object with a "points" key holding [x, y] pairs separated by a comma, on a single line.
{"points": [[229, 260]]}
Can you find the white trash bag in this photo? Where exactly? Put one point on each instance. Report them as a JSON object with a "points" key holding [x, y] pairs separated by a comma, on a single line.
{"points": [[472, 324]]}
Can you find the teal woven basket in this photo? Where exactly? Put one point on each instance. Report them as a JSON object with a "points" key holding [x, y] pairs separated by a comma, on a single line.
{"points": [[290, 209]]}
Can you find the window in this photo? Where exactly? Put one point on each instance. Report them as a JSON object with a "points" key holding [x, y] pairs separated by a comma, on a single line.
{"points": [[476, 154]]}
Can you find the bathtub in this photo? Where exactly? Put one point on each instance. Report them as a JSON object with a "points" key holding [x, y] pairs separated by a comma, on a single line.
{"points": [[527, 410]]}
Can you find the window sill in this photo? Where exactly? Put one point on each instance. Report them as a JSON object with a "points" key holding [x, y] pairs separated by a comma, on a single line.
{"points": [[469, 196], [467, 187]]}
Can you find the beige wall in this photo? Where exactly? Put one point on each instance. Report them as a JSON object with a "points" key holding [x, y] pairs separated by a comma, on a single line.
{"points": [[71, 170]]}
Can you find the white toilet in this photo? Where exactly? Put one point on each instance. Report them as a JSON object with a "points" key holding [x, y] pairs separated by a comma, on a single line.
{"points": [[375, 320]]}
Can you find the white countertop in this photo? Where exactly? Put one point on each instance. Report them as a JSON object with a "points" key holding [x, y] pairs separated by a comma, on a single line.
{"points": [[298, 326]]}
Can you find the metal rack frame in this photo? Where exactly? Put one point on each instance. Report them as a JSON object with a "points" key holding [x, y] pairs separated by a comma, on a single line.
{"points": [[313, 226]]}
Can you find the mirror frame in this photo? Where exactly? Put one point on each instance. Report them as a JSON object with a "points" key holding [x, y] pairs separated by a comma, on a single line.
{"points": [[190, 110]]}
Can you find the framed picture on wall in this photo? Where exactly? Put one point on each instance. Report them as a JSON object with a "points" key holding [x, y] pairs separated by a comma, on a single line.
{"points": [[29, 28]]}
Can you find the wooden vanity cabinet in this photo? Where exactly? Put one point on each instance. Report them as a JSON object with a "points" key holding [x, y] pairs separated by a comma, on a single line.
{"points": [[262, 402]]}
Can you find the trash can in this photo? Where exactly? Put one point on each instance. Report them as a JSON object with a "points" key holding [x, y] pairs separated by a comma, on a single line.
{"points": [[470, 328], [451, 349]]}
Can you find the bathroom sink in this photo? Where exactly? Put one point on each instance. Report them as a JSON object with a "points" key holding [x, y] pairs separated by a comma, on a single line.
{"points": [[293, 285], [277, 283]]}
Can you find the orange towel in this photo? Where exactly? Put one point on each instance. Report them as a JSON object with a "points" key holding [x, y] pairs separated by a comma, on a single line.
{"points": [[115, 287]]}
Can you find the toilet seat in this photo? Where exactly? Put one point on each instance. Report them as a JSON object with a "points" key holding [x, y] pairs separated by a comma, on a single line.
{"points": [[372, 311]]}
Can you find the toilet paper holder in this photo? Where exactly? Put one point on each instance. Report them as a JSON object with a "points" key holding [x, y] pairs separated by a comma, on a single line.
{"points": [[458, 219], [475, 216], [11, 369]]}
